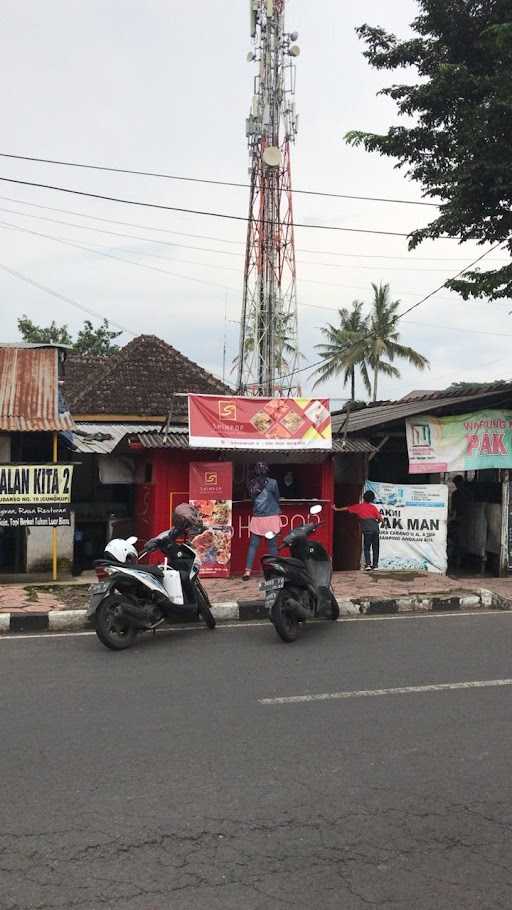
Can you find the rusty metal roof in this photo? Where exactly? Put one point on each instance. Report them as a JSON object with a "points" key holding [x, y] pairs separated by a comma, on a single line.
{"points": [[103, 438], [177, 438], [30, 398], [391, 412]]}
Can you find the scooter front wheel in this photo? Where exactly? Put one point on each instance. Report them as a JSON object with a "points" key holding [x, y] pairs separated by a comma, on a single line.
{"points": [[285, 623]]}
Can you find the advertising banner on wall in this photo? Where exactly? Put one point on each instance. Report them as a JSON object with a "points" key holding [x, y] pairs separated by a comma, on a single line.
{"points": [[35, 495], [210, 490], [413, 533], [461, 442], [259, 423]]}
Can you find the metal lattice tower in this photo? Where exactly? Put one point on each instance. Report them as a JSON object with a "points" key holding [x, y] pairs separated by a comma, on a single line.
{"points": [[269, 329]]}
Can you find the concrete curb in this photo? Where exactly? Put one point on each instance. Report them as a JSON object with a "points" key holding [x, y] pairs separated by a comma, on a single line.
{"points": [[244, 611]]}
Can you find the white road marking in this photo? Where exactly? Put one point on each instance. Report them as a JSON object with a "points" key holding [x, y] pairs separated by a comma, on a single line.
{"points": [[399, 690], [265, 624]]}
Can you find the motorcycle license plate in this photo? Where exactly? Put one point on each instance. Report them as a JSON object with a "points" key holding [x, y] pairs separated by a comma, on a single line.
{"points": [[100, 588], [272, 587]]}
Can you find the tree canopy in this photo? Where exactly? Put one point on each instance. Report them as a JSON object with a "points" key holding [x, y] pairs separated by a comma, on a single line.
{"points": [[458, 141], [89, 340], [370, 344]]}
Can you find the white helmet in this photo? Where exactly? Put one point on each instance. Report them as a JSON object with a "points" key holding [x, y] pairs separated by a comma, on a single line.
{"points": [[123, 550]]}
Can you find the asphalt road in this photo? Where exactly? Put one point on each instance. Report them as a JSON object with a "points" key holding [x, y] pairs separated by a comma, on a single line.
{"points": [[157, 778]]}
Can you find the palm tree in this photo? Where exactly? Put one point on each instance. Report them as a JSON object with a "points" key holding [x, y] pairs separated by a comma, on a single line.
{"points": [[286, 353], [345, 350], [382, 343]]}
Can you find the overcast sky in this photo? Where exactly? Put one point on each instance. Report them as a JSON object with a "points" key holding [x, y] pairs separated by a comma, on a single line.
{"points": [[164, 85]]}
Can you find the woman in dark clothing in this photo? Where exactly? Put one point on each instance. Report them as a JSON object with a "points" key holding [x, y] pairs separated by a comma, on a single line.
{"points": [[266, 514]]}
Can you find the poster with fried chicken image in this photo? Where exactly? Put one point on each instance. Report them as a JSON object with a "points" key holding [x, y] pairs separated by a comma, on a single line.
{"points": [[210, 491]]}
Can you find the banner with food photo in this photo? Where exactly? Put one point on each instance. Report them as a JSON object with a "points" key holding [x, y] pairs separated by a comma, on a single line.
{"points": [[210, 491], [259, 423]]}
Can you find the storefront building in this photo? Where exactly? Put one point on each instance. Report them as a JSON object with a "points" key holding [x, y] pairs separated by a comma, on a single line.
{"points": [[437, 437], [33, 417]]}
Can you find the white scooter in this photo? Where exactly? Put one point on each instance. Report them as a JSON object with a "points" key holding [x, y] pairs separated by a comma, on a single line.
{"points": [[130, 598]]}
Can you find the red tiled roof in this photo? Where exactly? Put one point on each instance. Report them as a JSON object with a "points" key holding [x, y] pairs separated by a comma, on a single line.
{"points": [[29, 390]]}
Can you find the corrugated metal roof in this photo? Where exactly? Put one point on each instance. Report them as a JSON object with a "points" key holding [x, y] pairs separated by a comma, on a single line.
{"points": [[177, 438], [395, 411], [29, 390], [352, 446], [102, 438]]}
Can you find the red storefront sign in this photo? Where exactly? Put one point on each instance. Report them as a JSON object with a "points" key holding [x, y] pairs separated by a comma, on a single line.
{"points": [[210, 490], [259, 423]]}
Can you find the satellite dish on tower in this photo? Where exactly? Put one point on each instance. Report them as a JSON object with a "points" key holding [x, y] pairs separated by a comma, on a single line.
{"points": [[294, 50], [272, 156]]}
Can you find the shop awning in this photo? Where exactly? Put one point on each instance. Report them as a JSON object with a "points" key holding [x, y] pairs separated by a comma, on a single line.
{"points": [[103, 438], [177, 438]]}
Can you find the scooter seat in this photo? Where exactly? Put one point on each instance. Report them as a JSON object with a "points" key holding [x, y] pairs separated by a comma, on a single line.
{"points": [[155, 571], [286, 561]]}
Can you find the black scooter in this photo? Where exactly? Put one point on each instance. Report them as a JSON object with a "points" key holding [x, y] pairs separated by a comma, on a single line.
{"points": [[298, 587]]}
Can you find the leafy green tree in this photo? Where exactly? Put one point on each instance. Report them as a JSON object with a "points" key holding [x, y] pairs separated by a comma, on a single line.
{"points": [[341, 343], [36, 334], [96, 341], [88, 341], [458, 139]]}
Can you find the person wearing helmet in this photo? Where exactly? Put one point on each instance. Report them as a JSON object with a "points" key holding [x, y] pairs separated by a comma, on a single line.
{"points": [[266, 513], [187, 519]]}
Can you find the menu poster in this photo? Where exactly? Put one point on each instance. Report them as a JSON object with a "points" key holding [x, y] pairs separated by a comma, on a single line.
{"points": [[210, 491]]}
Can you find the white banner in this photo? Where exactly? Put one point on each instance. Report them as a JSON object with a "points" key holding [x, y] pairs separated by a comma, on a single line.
{"points": [[413, 533]]}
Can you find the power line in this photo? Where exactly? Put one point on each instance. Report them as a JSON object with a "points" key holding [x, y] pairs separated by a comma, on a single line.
{"points": [[401, 315], [88, 249], [208, 214], [64, 298], [120, 170], [173, 244], [427, 325], [217, 239]]}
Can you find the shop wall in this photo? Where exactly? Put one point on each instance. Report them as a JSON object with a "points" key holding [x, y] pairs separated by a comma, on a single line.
{"points": [[39, 548], [350, 474]]}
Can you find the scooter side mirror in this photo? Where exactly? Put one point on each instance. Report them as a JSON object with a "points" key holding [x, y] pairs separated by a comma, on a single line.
{"points": [[315, 510]]}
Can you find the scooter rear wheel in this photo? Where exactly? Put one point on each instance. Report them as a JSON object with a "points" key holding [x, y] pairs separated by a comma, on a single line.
{"points": [[115, 632], [285, 624], [335, 608]]}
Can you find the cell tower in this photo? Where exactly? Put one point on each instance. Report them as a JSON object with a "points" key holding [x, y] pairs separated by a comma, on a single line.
{"points": [[269, 330]]}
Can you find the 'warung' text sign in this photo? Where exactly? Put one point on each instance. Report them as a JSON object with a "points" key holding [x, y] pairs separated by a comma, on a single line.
{"points": [[461, 442], [35, 495]]}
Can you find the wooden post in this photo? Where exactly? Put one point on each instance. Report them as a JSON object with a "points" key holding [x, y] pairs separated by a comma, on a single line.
{"points": [[505, 507], [54, 530]]}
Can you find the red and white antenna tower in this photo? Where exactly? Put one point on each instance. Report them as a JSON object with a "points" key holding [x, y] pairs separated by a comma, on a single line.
{"points": [[269, 330]]}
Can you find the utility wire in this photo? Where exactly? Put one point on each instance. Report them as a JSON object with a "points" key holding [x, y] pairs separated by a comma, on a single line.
{"points": [[120, 170], [64, 298], [208, 214], [400, 315], [217, 239], [201, 249], [88, 249]]}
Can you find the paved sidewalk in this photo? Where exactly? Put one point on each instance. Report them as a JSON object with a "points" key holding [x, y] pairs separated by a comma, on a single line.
{"points": [[67, 595]]}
